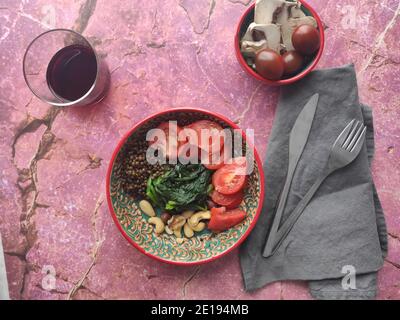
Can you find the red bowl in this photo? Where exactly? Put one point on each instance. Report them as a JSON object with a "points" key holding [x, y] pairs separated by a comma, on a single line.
{"points": [[139, 234], [242, 26]]}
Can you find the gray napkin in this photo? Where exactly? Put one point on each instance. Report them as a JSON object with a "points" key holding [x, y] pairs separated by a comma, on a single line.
{"points": [[343, 229]]}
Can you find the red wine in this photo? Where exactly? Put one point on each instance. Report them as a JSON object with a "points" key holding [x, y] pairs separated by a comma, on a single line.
{"points": [[72, 72]]}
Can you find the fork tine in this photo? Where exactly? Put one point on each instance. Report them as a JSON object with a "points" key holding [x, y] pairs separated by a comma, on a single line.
{"points": [[355, 138], [351, 135], [342, 136], [360, 140]]}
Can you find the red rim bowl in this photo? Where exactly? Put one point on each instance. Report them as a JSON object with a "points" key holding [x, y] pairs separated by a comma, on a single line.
{"points": [[122, 142], [298, 76]]}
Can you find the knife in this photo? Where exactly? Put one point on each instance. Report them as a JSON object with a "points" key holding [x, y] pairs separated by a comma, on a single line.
{"points": [[4, 295], [297, 141]]}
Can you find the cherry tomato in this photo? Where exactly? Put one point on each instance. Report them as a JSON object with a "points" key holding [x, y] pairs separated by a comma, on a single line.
{"points": [[257, 35], [170, 145], [222, 220], [269, 64], [215, 131], [231, 177], [305, 39], [292, 61], [230, 201]]}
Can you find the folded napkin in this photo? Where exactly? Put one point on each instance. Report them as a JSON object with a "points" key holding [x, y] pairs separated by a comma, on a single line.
{"points": [[342, 230]]}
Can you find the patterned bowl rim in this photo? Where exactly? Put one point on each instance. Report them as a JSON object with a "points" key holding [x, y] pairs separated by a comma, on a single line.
{"points": [[111, 166]]}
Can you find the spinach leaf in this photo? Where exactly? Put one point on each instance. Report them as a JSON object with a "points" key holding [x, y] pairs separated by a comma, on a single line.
{"points": [[185, 187]]}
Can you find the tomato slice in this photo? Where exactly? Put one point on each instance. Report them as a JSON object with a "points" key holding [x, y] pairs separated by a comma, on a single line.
{"points": [[212, 162], [215, 132], [226, 180], [222, 220], [170, 146], [168, 127], [230, 201], [231, 177], [214, 166]]}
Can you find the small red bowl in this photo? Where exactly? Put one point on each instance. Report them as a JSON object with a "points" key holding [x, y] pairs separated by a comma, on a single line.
{"points": [[243, 24], [204, 246]]}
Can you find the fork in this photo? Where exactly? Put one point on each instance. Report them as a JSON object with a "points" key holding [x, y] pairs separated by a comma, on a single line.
{"points": [[345, 149]]}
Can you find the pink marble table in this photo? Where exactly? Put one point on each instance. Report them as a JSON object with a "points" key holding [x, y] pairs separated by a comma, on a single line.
{"points": [[161, 54]]}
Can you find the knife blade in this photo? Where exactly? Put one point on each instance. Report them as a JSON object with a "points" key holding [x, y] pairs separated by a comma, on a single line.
{"points": [[297, 141]]}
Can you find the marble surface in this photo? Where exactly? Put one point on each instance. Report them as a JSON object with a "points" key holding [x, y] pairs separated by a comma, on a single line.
{"points": [[54, 218]]}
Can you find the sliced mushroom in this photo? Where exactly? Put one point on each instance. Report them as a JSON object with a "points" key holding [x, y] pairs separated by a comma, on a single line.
{"points": [[283, 15], [250, 48], [267, 10], [254, 32], [272, 33], [262, 36], [296, 12], [248, 35], [290, 26]]}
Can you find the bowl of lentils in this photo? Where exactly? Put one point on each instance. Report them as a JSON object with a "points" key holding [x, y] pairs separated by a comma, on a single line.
{"points": [[180, 213]]}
